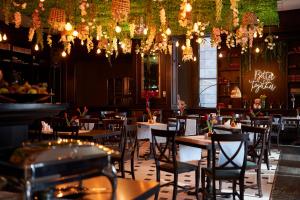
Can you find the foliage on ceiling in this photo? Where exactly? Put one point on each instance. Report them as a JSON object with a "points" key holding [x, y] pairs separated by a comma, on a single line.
{"points": [[98, 18]]}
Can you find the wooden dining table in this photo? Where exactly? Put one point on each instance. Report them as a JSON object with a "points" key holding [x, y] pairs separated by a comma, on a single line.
{"points": [[90, 135], [99, 188]]}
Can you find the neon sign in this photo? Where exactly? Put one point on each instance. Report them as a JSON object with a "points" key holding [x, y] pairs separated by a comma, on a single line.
{"points": [[262, 80]]}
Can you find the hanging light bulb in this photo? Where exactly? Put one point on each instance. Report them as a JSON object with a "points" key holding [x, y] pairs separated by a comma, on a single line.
{"points": [[177, 44], [196, 28], [123, 46], [257, 50], [75, 33], [36, 47], [188, 7], [220, 55], [199, 40], [0, 37], [194, 59], [118, 29], [255, 34], [98, 51], [68, 26], [168, 31], [145, 31], [4, 37], [63, 54], [183, 47], [82, 43]]}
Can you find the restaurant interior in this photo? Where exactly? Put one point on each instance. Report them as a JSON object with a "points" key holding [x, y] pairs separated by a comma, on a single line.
{"points": [[149, 99]]}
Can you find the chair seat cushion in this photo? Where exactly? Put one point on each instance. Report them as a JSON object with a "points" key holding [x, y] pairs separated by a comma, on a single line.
{"points": [[251, 165], [182, 167], [224, 173]]}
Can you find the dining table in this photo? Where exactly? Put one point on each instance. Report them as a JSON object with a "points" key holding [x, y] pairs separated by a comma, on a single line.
{"points": [[99, 188], [90, 135]]}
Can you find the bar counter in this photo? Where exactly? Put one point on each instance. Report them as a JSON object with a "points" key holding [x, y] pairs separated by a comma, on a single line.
{"points": [[15, 118]]}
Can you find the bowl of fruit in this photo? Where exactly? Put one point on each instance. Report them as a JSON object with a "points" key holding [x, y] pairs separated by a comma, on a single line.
{"points": [[25, 93]]}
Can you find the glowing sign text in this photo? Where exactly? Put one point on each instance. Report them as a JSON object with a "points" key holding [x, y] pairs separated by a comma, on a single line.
{"points": [[263, 80]]}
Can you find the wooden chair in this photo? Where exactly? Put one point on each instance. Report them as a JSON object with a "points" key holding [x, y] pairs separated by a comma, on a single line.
{"points": [[123, 144], [181, 124], [63, 130], [169, 164], [83, 122], [256, 149], [276, 127], [265, 122], [230, 166]]}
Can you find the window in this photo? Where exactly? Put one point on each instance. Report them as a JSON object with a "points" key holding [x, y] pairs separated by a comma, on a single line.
{"points": [[208, 75]]}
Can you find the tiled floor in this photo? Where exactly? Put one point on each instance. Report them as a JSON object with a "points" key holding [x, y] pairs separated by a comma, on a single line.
{"points": [[145, 170]]}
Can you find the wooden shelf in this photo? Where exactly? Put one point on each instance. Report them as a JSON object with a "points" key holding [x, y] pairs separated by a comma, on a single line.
{"points": [[231, 83], [229, 69]]}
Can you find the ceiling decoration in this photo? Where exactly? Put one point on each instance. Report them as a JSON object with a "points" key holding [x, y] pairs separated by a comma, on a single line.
{"points": [[112, 23]]}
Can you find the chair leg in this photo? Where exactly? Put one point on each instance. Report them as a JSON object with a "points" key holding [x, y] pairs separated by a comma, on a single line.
{"points": [[203, 184], [158, 180], [266, 158], [132, 168], [258, 177], [234, 188], [214, 192], [121, 165], [197, 182], [278, 139], [242, 188], [175, 186]]}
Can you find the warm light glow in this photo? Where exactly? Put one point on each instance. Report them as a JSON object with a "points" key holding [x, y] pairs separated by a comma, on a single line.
{"points": [[255, 34], [183, 47], [196, 28], [188, 7], [195, 59], [168, 31], [257, 50], [262, 80], [36, 47], [42, 0], [220, 55], [98, 51], [4, 37], [145, 31], [75, 33], [199, 40], [82, 43], [123, 46], [0, 37], [68, 26], [177, 44], [63, 54], [118, 29], [97, 38]]}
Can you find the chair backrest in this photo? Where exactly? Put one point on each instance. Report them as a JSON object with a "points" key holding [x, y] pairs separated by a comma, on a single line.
{"points": [[257, 143], [225, 130], [276, 118], [60, 125], [265, 122], [130, 139], [233, 151], [162, 152], [172, 124], [114, 124], [84, 122], [181, 124]]}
